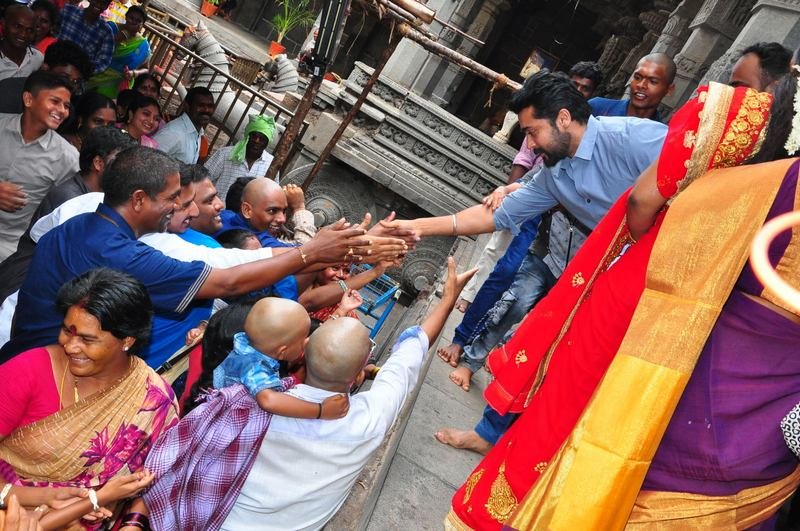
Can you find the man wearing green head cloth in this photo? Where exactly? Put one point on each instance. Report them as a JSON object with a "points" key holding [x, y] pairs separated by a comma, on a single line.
{"points": [[248, 158]]}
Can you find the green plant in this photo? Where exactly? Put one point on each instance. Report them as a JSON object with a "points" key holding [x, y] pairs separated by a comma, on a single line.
{"points": [[293, 14]]}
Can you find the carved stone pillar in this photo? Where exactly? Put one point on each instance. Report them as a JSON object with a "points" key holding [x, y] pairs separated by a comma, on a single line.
{"points": [[434, 77], [676, 30], [714, 29], [769, 21]]}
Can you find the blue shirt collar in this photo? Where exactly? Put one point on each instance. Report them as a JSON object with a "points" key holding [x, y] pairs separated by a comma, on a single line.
{"points": [[586, 147], [109, 213], [242, 347]]}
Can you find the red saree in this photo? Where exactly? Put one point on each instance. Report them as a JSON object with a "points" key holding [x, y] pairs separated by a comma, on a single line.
{"points": [[600, 303]]}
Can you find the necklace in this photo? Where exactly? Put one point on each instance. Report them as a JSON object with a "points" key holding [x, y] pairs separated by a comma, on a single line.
{"points": [[77, 397], [61, 387]]}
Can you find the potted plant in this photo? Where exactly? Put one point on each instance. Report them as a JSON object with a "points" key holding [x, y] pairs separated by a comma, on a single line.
{"points": [[209, 8], [293, 14]]}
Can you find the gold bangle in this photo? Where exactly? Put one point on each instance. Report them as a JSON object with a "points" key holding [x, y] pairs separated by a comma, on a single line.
{"points": [[455, 226], [303, 256]]}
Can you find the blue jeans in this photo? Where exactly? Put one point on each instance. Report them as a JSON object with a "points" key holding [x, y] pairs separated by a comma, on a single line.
{"points": [[531, 283], [493, 425], [498, 281]]}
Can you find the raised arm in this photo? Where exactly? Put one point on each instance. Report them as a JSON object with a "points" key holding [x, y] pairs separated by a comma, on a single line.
{"points": [[452, 288], [322, 296]]}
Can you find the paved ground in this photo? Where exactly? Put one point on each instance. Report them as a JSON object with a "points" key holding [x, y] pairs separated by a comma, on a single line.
{"points": [[424, 474], [233, 38]]}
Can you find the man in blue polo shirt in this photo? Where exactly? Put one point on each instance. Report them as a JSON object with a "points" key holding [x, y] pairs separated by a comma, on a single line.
{"points": [[651, 82], [142, 188], [589, 163]]}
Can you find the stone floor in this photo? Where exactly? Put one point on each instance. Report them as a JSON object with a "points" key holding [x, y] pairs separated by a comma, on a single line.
{"points": [[233, 38]]}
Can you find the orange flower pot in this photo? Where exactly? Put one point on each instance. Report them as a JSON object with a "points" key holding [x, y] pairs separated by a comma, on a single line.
{"points": [[276, 48], [207, 9]]}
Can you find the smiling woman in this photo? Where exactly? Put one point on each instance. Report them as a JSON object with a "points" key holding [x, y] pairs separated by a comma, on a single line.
{"points": [[90, 397]]}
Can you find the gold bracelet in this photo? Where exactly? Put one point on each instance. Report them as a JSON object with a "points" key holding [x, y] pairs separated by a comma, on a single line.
{"points": [[303, 256], [455, 226]]}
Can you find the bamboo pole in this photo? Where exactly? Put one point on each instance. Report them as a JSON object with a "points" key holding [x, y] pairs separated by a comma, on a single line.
{"points": [[284, 147], [326, 151]]}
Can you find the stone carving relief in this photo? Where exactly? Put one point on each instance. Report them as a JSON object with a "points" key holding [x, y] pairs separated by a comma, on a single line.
{"points": [[676, 30]]}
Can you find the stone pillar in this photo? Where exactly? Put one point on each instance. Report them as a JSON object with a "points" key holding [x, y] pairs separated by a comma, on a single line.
{"points": [[714, 29], [429, 75], [676, 30], [769, 21]]}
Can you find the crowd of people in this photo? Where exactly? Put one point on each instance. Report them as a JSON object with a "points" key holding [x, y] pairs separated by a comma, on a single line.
{"points": [[642, 375]]}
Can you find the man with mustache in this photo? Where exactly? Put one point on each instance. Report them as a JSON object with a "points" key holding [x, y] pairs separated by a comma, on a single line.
{"points": [[33, 157], [181, 137], [18, 58], [651, 82], [589, 162]]}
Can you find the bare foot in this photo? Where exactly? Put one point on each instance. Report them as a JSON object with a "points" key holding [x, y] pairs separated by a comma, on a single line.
{"points": [[461, 377], [462, 305], [466, 440], [450, 354]]}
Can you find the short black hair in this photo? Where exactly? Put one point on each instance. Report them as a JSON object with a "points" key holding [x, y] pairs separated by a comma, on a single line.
{"points": [[101, 141], [589, 70], [67, 53], [116, 299], [46, 80], [780, 121], [233, 199], [235, 238], [193, 93], [773, 57], [125, 97], [91, 102], [548, 92], [192, 173], [52, 11], [141, 78], [139, 10], [137, 168]]}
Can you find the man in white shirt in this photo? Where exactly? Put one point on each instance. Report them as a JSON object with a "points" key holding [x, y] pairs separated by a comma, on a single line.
{"points": [[247, 158], [18, 57], [180, 138], [305, 468]]}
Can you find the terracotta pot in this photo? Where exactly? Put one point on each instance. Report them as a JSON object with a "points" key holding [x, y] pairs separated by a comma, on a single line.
{"points": [[276, 48], [207, 9]]}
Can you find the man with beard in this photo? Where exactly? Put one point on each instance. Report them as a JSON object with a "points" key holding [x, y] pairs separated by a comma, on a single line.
{"points": [[651, 82], [33, 157], [589, 163], [761, 66], [142, 191], [182, 136]]}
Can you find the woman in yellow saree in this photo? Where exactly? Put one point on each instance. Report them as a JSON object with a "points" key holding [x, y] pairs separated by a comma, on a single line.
{"points": [[600, 369], [83, 414]]}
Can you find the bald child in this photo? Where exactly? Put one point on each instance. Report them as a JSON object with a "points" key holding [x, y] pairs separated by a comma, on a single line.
{"points": [[275, 330]]}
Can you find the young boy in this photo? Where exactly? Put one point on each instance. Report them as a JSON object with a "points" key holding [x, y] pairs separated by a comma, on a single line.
{"points": [[275, 330]]}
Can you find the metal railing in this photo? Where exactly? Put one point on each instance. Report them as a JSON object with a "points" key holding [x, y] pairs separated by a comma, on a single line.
{"points": [[165, 52]]}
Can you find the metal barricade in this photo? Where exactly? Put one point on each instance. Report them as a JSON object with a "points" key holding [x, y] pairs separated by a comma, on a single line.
{"points": [[167, 53]]}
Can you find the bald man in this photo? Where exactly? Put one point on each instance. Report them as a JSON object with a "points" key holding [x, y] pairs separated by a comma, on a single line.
{"points": [[305, 468], [264, 210], [652, 80]]}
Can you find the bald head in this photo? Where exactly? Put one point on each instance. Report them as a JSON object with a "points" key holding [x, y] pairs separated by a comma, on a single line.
{"points": [[336, 352], [665, 61], [277, 327], [264, 205]]}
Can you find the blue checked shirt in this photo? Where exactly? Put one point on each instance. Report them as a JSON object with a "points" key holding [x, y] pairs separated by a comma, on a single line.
{"points": [[249, 367], [96, 39]]}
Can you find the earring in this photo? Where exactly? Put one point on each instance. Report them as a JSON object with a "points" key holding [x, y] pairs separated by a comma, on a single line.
{"points": [[125, 348]]}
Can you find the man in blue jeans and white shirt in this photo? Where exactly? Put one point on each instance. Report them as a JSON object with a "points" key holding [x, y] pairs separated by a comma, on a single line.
{"points": [[589, 163]]}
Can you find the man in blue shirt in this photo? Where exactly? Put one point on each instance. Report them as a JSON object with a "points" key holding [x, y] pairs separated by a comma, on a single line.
{"points": [[589, 163], [651, 82], [142, 190]]}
